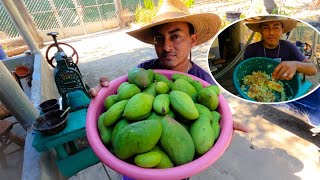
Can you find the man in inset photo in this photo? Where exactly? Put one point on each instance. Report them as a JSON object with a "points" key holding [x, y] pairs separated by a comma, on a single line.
{"points": [[292, 60], [266, 59]]}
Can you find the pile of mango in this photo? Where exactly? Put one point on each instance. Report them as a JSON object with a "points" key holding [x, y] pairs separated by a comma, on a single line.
{"points": [[155, 122]]}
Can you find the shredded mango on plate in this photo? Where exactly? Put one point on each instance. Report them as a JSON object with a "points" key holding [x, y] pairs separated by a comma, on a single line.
{"points": [[275, 86], [262, 87]]}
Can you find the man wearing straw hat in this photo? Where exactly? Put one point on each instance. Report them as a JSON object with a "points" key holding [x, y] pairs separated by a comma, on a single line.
{"points": [[292, 60], [174, 32]]}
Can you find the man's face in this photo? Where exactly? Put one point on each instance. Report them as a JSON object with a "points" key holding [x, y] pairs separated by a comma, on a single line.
{"points": [[173, 44], [271, 33]]}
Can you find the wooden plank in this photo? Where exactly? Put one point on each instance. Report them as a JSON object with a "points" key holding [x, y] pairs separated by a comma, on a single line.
{"points": [[96, 171], [113, 175]]}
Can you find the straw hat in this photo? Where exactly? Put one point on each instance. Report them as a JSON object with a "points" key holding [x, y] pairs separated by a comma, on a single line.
{"points": [[206, 25], [254, 23]]}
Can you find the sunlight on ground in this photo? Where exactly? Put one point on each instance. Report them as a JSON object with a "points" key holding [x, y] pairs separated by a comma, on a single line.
{"points": [[271, 136]]}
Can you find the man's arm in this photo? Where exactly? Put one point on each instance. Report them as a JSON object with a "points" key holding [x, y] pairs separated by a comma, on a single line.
{"points": [[286, 69], [297, 62], [307, 67]]}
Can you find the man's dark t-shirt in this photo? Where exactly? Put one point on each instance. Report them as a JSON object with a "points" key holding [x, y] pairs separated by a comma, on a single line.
{"points": [[288, 51], [195, 69]]}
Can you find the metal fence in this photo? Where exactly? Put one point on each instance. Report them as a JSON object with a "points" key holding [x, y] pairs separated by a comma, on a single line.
{"points": [[51, 14], [59, 14], [7, 28], [131, 5]]}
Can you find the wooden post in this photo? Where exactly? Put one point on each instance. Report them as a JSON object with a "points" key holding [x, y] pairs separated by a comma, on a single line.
{"points": [[118, 6], [55, 13], [15, 100], [314, 45], [80, 16], [101, 20], [20, 25], [29, 22]]}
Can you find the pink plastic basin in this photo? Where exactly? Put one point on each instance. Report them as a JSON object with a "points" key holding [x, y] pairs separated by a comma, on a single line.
{"points": [[96, 108]]}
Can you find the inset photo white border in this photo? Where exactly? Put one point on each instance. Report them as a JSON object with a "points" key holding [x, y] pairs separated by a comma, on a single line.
{"points": [[299, 57]]}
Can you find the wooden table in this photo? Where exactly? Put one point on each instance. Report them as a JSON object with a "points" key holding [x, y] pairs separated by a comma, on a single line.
{"points": [[70, 159]]}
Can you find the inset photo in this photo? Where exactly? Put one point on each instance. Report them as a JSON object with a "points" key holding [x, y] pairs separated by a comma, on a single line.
{"points": [[267, 59]]}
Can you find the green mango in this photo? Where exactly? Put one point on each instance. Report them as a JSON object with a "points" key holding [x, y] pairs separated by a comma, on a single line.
{"points": [[110, 101], [176, 142], [171, 114], [202, 134], [208, 98], [197, 85], [162, 78], [138, 107], [121, 124], [216, 129], [151, 89], [204, 111], [105, 132], [162, 88], [177, 76], [215, 116], [140, 77], [148, 159], [155, 116], [128, 91], [185, 86], [136, 138], [122, 85], [114, 113], [161, 104], [183, 105], [165, 161], [215, 88]]}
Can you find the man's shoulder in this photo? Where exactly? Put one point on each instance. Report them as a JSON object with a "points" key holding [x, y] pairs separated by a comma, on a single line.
{"points": [[150, 64], [286, 43], [253, 50], [201, 73], [256, 44]]}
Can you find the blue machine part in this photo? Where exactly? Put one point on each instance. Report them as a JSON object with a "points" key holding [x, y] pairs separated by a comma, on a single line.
{"points": [[308, 106], [3, 54]]}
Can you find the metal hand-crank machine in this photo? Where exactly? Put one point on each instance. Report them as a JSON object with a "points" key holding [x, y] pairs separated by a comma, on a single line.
{"points": [[68, 78], [65, 128]]}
